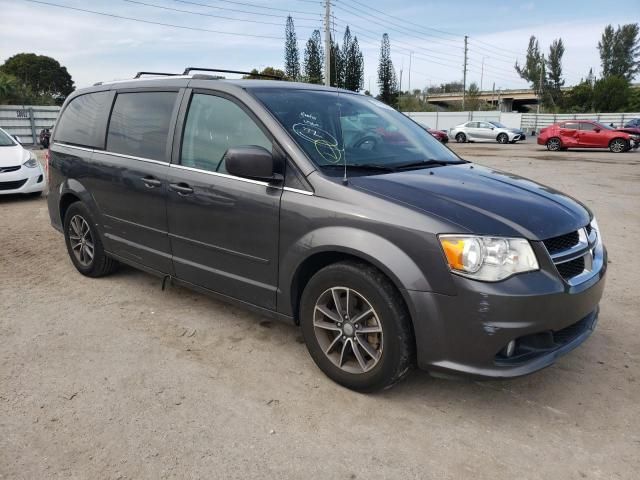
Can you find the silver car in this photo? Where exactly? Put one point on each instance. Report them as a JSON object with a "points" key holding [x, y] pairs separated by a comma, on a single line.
{"points": [[485, 132]]}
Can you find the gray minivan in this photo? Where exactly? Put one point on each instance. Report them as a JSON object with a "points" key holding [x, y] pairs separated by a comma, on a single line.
{"points": [[330, 210]]}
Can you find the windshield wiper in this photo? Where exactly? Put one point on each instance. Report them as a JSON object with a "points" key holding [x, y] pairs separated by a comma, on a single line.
{"points": [[362, 166], [426, 164]]}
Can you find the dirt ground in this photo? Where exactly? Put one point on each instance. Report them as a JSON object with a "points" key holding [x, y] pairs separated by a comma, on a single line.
{"points": [[116, 379]]}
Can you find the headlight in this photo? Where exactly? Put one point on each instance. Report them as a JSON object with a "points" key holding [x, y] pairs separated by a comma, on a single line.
{"points": [[488, 258], [594, 226], [32, 162]]}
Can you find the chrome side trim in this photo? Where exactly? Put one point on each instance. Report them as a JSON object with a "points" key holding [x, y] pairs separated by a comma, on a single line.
{"points": [[74, 147], [223, 175], [297, 190], [122, 155]]}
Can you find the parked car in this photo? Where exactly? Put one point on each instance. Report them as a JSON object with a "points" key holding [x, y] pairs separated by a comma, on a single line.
{"points": [[633, 123], [20, 171], [384, 252], [486, 132], [585, 134], [45, 136], [633, 129], [440, 135]]}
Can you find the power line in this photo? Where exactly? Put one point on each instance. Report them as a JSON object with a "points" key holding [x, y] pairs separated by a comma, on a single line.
{"points": [[404, 20], [412, 46], [214, 7], [255, 5], [162, 7], [150, 22], [403, 30]]}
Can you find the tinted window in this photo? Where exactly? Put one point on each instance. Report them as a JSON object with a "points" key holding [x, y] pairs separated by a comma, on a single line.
{"points": [[472, 125], [215, 124], [570, 126], [139, 124], [588, 126], [82, 122], [485, 125]]}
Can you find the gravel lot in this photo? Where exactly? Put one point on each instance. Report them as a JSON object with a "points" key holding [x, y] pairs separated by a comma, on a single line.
{"points": [[114, 378]]}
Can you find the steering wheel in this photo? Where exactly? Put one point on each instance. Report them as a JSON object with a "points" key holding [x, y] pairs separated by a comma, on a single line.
{"points": [[372, 139]]}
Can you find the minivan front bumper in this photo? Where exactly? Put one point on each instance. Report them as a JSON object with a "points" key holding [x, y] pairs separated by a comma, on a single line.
{"points": [[468, 333]]}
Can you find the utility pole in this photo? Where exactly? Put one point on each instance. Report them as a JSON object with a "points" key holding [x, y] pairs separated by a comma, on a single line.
{"points": [[464, 73], [327, 43], [493, 95], [410, 54], [540, 84], [482, 74]]}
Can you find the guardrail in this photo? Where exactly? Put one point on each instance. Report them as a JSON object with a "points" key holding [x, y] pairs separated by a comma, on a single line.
{"points": [[26, 121]]}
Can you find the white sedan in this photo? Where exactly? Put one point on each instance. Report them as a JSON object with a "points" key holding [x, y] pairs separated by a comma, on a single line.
{"points": [[20, 171]]}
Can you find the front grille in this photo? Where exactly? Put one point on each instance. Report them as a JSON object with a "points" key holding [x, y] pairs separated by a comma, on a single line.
{"points": [[571, 269], [12, 185], [563, 242], [9, 169]]}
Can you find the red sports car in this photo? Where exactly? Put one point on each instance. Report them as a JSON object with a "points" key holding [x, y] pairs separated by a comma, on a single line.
{"points": [[439, 135], [585, 134]]}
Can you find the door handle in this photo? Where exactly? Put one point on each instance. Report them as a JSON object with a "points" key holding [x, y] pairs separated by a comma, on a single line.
{"points": [[151, 182], [181, 188]]}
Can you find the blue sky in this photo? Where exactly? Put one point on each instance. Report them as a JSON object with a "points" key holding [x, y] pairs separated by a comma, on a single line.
{"points": [[97, 48]]}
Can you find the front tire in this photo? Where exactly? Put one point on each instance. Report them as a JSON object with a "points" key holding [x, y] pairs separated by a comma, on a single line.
{"points": [[356, 327], [461, 138], [554, 144], [618, 145], [83, 243], [503, 138]]}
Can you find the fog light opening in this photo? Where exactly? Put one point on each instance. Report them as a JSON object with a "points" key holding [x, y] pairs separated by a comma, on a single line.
{"points": [[510, 349]]}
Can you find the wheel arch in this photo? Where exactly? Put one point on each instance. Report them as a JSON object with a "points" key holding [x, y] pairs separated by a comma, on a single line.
{"points": [[379, 253]]}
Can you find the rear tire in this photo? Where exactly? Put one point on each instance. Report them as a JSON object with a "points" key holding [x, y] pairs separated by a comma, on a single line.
{"points": [[461, 138], [618, 145], [554, 144], [502, 138], [83, 243], [356, 327]]}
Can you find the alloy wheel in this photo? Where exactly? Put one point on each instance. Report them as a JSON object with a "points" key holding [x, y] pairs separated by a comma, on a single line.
{"points": [[461, 137], [618, 145], [553, 144], [503, 138], [348, 330], [81, 240]]}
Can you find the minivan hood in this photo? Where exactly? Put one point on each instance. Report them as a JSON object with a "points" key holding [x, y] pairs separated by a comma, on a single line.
{"points": [[13, 156], [481, 200]]}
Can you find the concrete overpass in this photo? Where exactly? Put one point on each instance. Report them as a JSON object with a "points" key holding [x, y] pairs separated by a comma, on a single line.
{"points": [[503, 100]]}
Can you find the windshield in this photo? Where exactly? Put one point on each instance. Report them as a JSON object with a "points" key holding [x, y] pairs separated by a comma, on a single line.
{"points": [[498, 124], [368, 132], [6, 140]]}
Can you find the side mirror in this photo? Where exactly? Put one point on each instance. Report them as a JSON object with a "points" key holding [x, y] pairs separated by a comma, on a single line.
{"points": [[597, 130], [252, 162]]}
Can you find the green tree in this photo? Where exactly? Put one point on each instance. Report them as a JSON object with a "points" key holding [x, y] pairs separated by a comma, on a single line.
{"points": [[555, 81], [291, 55], [41, 75], [255, 74], [620, 51], [580, 97], [313, 59], [352, 63], [473, 100], [335, 59], [530, 71], [9, 88], [611, 94], [387, 80]]}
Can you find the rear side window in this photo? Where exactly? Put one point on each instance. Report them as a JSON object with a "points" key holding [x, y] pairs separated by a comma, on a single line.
{"points": [[83, 120], [139, 124]]}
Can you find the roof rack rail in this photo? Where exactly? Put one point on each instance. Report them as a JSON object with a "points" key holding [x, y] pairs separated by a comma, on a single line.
{"points": [[254, 74], [157, 74]]}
